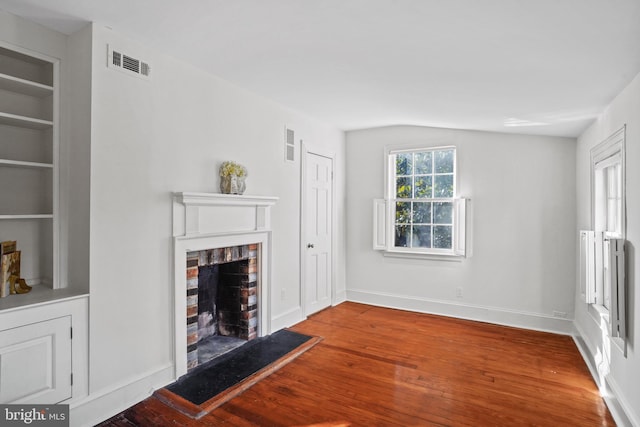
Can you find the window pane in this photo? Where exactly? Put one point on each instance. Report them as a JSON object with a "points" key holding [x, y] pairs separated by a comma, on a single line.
{"points": [[443, 186], [424, 163], [403, 212], [442, 236], [403, 188], [421, 236], [612, 181], [423, 187], [422, 213], [402, 236], [404, 163], [443, 161], [619, 216], [443, 213], [614, 199], [612, 216]]}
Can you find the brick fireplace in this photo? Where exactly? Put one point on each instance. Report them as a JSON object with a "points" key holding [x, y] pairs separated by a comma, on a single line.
{"points": [[222, 300], [222, 259]]}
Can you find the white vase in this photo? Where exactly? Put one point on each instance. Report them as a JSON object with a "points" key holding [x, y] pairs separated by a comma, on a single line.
{"points": [[232, 184]]}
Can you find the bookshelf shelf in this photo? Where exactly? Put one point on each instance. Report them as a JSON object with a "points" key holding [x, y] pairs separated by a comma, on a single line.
{"points": [[26, 87], [24, 121], [22, 164]]}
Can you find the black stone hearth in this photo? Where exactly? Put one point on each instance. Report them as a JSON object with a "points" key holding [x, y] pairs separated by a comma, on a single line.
{"points": [[214, 377]]}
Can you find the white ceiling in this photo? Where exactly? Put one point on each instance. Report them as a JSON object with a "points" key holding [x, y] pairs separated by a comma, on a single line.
{"points": [[543, 67]]}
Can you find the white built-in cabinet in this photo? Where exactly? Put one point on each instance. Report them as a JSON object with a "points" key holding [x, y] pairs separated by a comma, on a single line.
{"points": [[44, 333], [43, 352], [35, 362]]}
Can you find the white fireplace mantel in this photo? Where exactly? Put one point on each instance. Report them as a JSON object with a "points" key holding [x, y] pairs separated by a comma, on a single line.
{"points": [[205, 213], [204, 221]]}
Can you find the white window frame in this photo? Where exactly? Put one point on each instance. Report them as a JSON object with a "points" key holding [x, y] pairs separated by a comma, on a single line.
{"points": [[384, 213], [607, 154]]}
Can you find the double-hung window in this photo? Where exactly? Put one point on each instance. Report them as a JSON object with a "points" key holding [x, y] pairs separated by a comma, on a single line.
{"points": [[602, 249], [421, 213]]}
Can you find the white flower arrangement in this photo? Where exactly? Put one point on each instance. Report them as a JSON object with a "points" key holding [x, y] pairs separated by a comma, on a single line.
{"points": [[229, 168]]}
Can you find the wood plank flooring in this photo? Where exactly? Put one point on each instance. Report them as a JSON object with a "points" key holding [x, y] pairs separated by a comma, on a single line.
{"points": [[383, 367]]}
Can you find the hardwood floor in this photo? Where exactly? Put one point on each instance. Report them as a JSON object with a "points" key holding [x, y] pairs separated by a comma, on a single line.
{"points": [[383, 367]]}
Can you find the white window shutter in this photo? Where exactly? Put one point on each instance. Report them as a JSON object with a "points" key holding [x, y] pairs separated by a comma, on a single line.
{"points": [[618, 320], [588, 266], [460, 224], [379, 224]]}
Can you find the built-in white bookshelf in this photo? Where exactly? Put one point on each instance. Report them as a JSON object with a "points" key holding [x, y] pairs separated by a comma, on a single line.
{"points": [[48, 326], [29, 124]]}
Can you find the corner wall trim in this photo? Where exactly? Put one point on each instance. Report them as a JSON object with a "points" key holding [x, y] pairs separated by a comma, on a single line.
{"points": [[340, 297], [518, 319]]}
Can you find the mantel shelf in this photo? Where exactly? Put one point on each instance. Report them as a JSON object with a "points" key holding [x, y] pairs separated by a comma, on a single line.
{"points": [[217, 199]]}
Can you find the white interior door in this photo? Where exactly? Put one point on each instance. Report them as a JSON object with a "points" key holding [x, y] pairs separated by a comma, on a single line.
{"points": [[318, 196]]}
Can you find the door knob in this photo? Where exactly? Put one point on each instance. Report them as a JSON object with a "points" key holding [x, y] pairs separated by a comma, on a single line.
{"points": [[310, 245]]}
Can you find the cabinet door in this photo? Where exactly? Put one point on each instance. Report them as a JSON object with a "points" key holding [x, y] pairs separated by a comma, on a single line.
{"points": [[35, 362]]}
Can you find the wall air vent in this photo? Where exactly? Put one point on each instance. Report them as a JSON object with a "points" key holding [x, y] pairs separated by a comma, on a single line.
{"points": [[127, 64], [289, 146]]}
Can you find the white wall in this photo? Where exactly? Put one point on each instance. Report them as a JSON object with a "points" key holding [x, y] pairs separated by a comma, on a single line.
{"points": [[167, 134], [523, 229], [624, 372], [75, 157]]}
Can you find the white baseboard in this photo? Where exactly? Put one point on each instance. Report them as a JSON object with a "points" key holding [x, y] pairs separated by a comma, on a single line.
{"points": [[287, 319], [295, 315], [620, 409], [340, 297], [104, 404], [519, 319]]}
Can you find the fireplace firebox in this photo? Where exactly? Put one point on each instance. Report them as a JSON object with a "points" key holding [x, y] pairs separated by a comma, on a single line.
{"points": [[222, 301]]}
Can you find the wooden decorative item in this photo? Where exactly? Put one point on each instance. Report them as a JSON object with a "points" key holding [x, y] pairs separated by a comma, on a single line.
{"points": [[10, 280], [8, 247], [10, 272]]}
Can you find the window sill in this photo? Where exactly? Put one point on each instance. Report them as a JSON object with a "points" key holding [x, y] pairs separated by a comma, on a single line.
{"points": [[424, 256], [599, 313]]}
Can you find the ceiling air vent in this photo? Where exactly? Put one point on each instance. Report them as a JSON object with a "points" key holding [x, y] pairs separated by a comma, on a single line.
{"points": [[128, 64]]}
